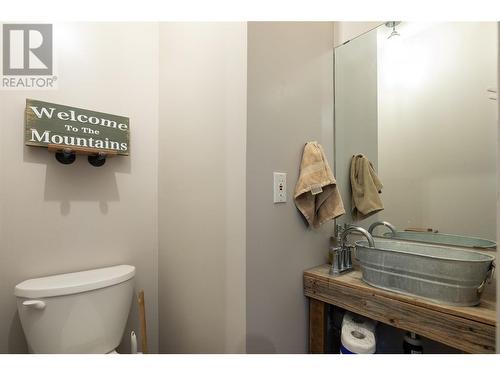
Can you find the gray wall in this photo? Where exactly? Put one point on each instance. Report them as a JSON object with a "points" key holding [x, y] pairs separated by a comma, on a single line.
{"points": [[202, 187], [290, 102], [58, 218]]}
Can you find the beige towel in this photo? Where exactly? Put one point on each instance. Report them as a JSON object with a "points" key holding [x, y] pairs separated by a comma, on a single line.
{"points": [[366, 187], [316, 194]]}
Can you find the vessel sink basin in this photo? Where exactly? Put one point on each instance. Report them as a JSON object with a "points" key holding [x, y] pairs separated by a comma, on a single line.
{"points": [[442, 239], [446, 275]]}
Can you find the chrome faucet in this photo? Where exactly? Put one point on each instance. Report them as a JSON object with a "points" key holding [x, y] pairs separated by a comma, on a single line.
{"points": [[342, 254], [384, 223], [360, 230]]}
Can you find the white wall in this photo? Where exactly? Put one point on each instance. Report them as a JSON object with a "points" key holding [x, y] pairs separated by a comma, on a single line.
{"points": [[498, 184], [437, 127], [58, 218], [290, 102], [202, 187], [345, 31]]}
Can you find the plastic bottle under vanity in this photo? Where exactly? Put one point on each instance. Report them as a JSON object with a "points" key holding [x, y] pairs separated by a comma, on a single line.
{"points": [[412, 344]]}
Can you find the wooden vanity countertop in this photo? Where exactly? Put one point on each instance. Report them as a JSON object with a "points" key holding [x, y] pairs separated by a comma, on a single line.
{"points": [[471, 329]]}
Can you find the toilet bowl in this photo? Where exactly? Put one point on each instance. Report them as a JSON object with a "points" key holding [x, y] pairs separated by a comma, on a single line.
{"points": [[79, 312]]}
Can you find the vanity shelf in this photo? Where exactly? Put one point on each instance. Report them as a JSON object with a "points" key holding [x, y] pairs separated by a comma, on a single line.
{"points": [[470, 329]]}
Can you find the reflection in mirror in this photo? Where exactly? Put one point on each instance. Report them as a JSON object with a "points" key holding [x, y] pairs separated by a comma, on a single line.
{"points": [[421, 106], [422, 235]]}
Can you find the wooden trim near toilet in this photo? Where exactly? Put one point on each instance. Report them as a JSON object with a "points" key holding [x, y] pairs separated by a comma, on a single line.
{"points": [[142, 320]]}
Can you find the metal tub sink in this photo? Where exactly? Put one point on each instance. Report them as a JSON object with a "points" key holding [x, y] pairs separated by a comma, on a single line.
{"points": [[442, 239], [442, 274]]}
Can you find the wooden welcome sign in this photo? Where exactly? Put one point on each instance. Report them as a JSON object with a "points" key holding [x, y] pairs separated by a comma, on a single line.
{"points": [[59, 127]]}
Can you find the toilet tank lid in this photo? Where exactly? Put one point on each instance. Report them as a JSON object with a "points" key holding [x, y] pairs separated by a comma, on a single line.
{"points": [[75, 282]]}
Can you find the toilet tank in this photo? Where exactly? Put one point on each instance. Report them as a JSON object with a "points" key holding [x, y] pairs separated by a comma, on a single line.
{"points": [[79, 312]]}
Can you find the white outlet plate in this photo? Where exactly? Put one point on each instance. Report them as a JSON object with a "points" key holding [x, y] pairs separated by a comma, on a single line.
{"points": [[279, 187]]}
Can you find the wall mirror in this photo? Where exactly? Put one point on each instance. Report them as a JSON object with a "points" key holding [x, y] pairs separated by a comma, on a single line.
{"points": [[419, 100]]}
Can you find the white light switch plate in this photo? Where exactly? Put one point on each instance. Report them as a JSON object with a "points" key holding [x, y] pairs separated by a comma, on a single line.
{"points": [[279, 187]]}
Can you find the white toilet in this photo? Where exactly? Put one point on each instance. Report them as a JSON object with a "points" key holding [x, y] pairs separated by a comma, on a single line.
{"points": [[80, 312]]}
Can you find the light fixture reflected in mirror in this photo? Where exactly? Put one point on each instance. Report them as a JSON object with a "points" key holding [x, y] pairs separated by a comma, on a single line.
{"points": [[393, 24]]}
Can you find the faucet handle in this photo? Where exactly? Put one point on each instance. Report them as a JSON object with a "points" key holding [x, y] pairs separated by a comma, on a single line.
{"points": [[336, 267]]}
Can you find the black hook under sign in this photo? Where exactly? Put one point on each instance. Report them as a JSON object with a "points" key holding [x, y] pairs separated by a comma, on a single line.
{"points": [[97, 160], [65, 157]]}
